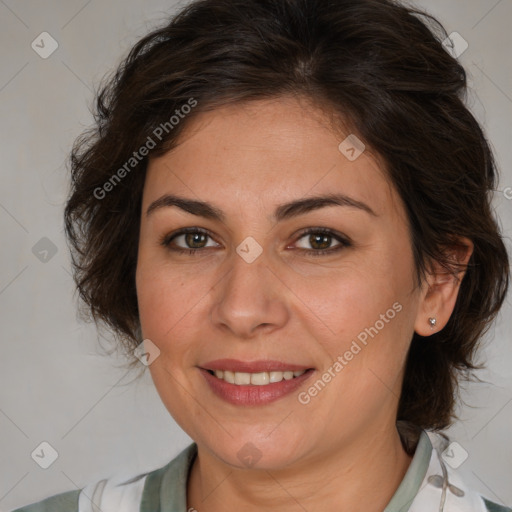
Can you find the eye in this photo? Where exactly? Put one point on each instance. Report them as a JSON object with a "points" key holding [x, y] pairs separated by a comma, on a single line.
{"points": [[321, 239], [190, 240]]}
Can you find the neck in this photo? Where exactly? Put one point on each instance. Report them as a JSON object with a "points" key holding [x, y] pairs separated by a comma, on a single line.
{"points": [[362, 475]]}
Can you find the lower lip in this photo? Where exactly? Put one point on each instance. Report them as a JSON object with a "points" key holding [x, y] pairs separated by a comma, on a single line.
{"points": [[251, 394]]}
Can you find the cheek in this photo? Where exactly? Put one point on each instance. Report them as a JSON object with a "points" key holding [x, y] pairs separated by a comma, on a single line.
{"points": [[349, 298], [153, 300], [171, 305], [158, 308], [365, 311], [166, 314]]}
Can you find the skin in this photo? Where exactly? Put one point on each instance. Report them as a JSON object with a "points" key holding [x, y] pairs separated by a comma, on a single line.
{"points": [[343, 446]]}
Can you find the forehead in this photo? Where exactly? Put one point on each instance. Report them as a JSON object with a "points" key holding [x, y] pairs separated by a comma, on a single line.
{"points": [[266, 152]]}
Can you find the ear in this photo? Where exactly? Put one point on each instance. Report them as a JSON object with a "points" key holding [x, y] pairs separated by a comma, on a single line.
{"points": [[440, 290]]}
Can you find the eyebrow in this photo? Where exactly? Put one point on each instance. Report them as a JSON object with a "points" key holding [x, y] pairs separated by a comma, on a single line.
{"points": [[282, 212]]}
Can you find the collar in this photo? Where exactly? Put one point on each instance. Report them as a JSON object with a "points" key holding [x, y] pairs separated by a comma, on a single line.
{"points": [[421, 489]]}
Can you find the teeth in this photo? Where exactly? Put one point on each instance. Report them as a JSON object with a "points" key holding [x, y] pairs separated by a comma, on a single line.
{"points": [[242, 378], [256, 379], [260, 379], [228, 377], [276, 376]]}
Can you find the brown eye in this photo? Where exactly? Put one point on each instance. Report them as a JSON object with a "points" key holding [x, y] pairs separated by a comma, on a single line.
{"points": [[187, 240], [191, 239], [320, 240]]}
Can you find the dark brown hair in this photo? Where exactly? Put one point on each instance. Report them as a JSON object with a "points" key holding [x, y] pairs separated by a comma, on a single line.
{"points": [[380, 66]]}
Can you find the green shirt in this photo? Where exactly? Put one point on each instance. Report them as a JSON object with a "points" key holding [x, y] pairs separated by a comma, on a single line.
{"points": [[165, 489]]}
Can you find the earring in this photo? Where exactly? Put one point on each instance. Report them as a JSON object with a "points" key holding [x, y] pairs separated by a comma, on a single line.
{"points": [[432, 321]]}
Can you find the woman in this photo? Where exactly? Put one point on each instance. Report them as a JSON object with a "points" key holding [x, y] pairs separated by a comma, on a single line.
{"points": [[290, 203]]}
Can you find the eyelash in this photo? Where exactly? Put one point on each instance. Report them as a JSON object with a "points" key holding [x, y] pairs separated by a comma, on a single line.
{"points": [[344, 242]]}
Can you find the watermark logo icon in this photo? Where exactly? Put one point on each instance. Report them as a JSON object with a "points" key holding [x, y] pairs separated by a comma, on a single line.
{"points": [[44, 250], [249, 455], [44, 455], [455, 45], [146, 352], [352, 147], [454, 455], [44, 45], [249, 249]]}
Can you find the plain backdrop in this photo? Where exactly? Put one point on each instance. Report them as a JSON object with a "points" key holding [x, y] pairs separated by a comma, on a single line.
{"points": [[55, 385]]}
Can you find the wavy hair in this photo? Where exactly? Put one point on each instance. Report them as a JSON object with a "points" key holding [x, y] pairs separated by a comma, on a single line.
{"points": [[383, 68]]}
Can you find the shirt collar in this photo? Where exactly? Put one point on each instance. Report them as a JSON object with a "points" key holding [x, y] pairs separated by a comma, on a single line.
{"points": [[172, 480], [414, 476]]}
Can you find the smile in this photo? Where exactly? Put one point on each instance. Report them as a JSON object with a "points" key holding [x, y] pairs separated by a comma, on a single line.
{"points": [[255, 388], [255, 379]]}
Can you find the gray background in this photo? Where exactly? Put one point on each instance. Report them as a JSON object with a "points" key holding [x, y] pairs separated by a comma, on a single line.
{"points": [[55, 385]]}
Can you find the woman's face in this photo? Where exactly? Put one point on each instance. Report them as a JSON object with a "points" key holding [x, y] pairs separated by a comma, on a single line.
{"points": [[258, 289]]}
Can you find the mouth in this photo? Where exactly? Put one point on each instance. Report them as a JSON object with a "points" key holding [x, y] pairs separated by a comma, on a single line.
{"points": [[256, 379], [254, 383]]}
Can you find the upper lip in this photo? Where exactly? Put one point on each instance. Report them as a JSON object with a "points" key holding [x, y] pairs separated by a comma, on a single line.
{"points": [[267, 365]]}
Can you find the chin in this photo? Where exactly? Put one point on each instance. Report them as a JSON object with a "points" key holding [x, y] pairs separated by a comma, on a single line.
{"points": [[257, 450]]}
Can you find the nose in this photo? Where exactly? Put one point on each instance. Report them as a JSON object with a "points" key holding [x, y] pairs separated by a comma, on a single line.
{"points": [[250, 299]]}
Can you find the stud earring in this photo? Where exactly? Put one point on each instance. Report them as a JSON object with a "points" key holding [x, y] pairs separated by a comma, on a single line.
{"points": [[432, 321]]}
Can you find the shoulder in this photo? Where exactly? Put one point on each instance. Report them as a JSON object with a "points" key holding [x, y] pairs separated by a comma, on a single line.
{"points": [[110, 494], [446, 483], [123, 492], [114, 493], [494, 507], [65, 502]]}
